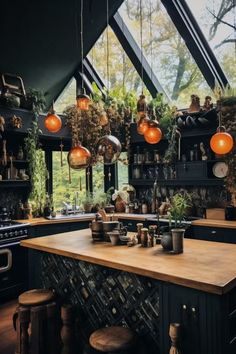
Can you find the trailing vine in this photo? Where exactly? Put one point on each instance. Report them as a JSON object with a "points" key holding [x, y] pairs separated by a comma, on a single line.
{"points": [[37, 166]]}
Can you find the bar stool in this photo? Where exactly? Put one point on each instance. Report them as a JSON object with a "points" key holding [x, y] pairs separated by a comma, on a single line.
{"points": [[114, 339], [35, 321]]}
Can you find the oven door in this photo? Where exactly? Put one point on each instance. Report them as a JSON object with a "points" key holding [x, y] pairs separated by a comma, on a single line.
{"points": [[13, 269]]}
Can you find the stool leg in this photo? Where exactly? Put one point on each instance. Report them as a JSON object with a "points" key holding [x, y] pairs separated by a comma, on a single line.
{"points": [[16, 326], [68, 330], [174, 333], [38, 330], [53, 327], [24, 319]]}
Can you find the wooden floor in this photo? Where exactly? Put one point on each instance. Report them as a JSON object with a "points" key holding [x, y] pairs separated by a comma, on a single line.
{"points": [[7, 333]]}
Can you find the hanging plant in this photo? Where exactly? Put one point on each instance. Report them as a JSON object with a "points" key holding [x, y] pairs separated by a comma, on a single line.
{"points": [[37, 166]]}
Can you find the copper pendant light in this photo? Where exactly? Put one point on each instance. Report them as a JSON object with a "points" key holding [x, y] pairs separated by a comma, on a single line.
{"points": [[221, 142], [153, 134], [79, 157], [52, 121], [108, 149], [83, 101], [143, 124]]}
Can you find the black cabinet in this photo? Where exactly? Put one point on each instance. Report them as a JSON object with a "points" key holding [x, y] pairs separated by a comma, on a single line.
{"points": [[217, 234]]}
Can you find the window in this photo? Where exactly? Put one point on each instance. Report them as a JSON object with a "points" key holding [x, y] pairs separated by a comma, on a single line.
{"points": [[121, 71], [98, 178], [63, 191], [165, 51], [122, 170], [67, 97], [217, 20]]}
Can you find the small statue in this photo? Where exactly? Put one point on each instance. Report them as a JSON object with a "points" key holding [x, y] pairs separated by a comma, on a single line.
{"points": [[195, 104], [16, 122], [203, 151], [207, 104]]}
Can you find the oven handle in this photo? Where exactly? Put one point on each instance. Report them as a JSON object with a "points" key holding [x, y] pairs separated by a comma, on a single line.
{"points": [[9, 260]]}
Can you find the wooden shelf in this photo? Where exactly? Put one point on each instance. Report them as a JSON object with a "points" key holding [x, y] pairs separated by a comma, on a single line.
{"points": [[178, 182]]}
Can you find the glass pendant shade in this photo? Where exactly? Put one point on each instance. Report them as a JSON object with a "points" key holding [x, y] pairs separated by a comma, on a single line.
{"points": [[153, 134], [79, 157], [53, 122], [143, 125], [108, 149], [221, 143], [83, 101]]}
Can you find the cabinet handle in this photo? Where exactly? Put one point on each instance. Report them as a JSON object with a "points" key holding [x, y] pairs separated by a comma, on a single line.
{"points": [[193, 310], [213, 232], [184, 307], [130, 224]]}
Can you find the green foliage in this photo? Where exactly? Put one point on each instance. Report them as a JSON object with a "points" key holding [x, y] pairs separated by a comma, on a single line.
{"points": [[163, 112], [37, 99], [37, 168], [179, 205]]}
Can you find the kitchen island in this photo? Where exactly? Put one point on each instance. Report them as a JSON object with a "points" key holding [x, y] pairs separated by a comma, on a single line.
{"points": [[146, 289]]}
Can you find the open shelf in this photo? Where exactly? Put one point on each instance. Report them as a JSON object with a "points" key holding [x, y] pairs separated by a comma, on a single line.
{"points": [[14, 183], [178, 182]]}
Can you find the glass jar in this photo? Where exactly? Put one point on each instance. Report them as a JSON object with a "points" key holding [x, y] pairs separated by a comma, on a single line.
{"points": [[144, 237]]}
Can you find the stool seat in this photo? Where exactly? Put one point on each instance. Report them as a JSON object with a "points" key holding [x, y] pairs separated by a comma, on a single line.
{"points": [[35, 297], [112, 339]]}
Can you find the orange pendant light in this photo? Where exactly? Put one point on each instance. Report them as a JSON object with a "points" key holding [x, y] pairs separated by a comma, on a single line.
{"points": [[153, 134], [83, 101], [79, 157], [143, 125], [52, 122], [221, 142]]}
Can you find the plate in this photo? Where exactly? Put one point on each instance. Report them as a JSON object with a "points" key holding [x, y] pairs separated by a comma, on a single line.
{"points": [[220, 169]]}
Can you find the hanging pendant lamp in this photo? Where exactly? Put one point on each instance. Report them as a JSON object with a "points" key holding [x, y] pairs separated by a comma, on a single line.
{"points": [[153, 134], [143, 125], [108, 149], [79, 157], [221, 142], [82, 99], [52, 121]]}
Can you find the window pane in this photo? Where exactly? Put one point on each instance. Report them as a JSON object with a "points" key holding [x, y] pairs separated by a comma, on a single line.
{"points": [[122, 170], [67, 97], [121, 70], [165, 51], [63, 191], [217, 20], [98, 178]]}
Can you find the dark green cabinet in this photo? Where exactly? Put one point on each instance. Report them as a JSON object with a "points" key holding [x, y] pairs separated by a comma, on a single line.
{"points": [[216, 234]]}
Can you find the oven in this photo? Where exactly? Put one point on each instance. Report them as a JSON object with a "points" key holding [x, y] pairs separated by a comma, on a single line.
{"points": [[13, 261]]}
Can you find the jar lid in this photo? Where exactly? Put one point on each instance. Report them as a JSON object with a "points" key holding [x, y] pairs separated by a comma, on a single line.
{"points": [[144, 229]]}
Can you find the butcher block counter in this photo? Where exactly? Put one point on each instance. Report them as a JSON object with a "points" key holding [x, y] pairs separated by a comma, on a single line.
{"points": [[144, 288], [215, 271]]}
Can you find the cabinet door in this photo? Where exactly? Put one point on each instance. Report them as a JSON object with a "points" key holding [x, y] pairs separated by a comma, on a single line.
{"points": [[216, 234], [187, 307]]}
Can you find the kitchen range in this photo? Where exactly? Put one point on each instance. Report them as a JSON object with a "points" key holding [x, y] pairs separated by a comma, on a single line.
{"points": [[13, 259]]}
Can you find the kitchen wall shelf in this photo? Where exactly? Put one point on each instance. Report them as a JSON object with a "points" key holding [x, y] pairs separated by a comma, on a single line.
{"points": [[14, 183], [178, 182]]}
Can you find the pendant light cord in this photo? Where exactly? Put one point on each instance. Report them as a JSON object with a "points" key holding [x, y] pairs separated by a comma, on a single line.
{"points": [[150, 34], [141, 38], [82, 41], [108, 54]]}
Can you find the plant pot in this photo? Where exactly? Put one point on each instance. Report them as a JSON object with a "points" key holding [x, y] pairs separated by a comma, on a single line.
{"points": [[166, 241], [109, 208], [87, 207], [178, 240]]}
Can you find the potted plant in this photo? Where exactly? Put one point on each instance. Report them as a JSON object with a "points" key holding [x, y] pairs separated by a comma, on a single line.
{"points": [[121, 199], [180, 204], [87, 202]]}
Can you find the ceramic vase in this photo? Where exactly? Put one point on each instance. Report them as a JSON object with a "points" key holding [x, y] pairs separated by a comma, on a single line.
{"points": [[178, 240]]}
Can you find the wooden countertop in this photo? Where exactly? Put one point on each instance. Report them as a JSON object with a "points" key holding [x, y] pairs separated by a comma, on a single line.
{"points": [[215, 223], [84, 217], [206, 266]]}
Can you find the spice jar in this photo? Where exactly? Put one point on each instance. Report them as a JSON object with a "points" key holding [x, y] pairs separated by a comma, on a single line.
{"points": [[139, 228], [144, 237]]}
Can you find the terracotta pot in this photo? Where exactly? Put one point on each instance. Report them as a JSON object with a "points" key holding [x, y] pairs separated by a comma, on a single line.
{"points": [[120, 205]]}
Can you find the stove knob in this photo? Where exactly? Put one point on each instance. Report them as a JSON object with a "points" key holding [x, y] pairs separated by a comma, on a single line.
{"points": [[25, 231], [16, 233], [11, 234], [21, 232], [1, 236], [5, 235]]}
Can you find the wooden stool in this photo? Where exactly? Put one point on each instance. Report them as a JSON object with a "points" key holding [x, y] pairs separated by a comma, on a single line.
{"points": [[113, 340], [38, 312]]}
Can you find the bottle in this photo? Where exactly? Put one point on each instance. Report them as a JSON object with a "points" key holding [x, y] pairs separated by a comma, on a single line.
{"points": [[144, 207], [20, 154], [144, 237]]}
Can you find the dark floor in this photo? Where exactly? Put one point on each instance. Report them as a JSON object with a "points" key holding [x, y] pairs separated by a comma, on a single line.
{"points": [[7, 333]]}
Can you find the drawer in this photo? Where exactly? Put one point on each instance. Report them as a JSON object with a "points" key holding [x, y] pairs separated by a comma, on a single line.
{"points": [[191, 170], [216, 234]]}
